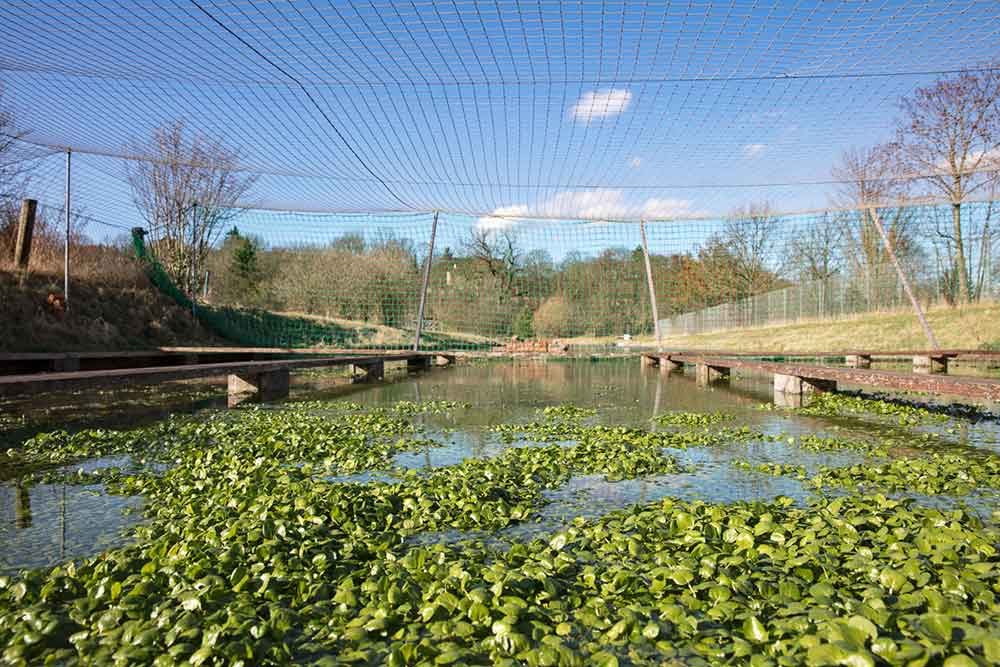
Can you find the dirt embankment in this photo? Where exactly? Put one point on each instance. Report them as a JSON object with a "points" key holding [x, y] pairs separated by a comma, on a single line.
{"points": [[113, 309]]}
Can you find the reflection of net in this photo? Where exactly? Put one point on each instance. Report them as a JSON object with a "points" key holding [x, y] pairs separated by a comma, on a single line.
{"points": [[349, 281]]}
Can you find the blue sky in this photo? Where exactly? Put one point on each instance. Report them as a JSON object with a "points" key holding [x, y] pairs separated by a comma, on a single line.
{"points": [[585, 110]]}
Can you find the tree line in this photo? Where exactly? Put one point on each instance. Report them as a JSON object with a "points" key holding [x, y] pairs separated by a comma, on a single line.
{"points": [[945, 148]]}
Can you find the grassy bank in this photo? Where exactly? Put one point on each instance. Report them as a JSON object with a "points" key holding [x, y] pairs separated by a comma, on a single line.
{"points": [[968, 327], [119, 312]]}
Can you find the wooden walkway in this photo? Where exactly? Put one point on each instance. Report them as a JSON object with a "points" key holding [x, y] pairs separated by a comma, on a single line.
{"points": [[19, 363], [800, 378], [267, 378], [924, 361]]}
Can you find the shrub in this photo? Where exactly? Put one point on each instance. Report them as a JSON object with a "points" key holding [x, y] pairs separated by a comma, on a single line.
{"points": [[553, 318]]}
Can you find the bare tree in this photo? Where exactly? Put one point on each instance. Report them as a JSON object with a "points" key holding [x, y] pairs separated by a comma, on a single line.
{"points": [[498, 252], [750, 238], [869, 179], [950, 135], [186, 188], [815, 252], [14, 163]]}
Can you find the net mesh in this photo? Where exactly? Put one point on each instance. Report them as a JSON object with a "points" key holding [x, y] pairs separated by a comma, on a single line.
{"points": [[534, 141], [354, 282]]}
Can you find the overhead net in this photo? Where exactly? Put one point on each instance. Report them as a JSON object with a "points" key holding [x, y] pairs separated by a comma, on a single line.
{"points": [[542, 136]]}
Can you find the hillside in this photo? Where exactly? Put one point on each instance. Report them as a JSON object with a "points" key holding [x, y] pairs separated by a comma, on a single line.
{"points": [[970, 327], [123, 312]]}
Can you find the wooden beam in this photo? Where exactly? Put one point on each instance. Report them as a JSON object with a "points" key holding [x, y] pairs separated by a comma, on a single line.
{"points": [[48, 382], [968, 387], [25, 232]]}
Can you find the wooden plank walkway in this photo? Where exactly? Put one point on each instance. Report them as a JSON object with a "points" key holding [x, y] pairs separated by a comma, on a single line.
{"points": [[34, 383], [822, 377], [19, 363], [953, 353]]}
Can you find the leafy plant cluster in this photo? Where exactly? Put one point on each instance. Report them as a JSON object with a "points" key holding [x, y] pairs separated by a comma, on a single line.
{"points": [[249, 556], [838, 404], [689, 419], [935, 474]]}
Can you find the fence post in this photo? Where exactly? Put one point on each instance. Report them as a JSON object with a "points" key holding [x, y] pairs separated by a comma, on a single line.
{"points": [[423, 288], [25, 230], [66, 249], [192, 280], [903, 279], [652, 290]]}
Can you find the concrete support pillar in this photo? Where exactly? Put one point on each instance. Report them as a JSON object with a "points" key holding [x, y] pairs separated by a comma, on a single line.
{"points": [[649, 360], [794, 384], [443, 359], [705, 374], [859, 361], [67, 364], [930, 364], [783, 400], [668, 365], [262, 386], [418, 364], [368, 372]]}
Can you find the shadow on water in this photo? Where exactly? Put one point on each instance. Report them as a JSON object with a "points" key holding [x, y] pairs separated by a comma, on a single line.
{"points": [[45, 524]]}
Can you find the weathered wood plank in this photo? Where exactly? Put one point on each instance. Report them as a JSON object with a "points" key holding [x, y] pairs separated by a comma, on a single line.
{"points": [[47, 382], [969, 387]]}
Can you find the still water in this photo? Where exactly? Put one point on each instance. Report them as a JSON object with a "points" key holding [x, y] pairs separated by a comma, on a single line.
{"points": [[45, 524]]}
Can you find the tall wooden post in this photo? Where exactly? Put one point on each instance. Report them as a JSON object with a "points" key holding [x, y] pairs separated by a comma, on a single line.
{"points": [[903, 279], [66, 248], [25, 230], [423, 287], [649, 284]]}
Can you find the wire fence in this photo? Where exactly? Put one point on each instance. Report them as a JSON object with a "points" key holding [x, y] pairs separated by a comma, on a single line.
{"points": [[878, 289], [355, 281]]}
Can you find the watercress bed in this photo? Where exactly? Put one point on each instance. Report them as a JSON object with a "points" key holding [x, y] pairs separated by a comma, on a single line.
{"points": [[250, 555]]}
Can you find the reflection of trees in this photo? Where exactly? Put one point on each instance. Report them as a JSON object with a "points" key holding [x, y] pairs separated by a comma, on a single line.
{"points": [[22, 505]]}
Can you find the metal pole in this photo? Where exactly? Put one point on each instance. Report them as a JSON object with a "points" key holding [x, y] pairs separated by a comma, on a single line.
{"points": [[649, 283], [423, 288], [69, 155], [904, 281], [192, 282]]}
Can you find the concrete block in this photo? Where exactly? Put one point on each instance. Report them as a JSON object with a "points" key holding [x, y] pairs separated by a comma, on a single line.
{"points": [[794, 384], [705, 374], [67, 364], [263, 386], [668, 365], [368, 372], [418, 364], [858, 361], [930, 364]]}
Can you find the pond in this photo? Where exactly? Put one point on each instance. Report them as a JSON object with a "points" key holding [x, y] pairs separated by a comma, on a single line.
{"points": [[581, 511]]}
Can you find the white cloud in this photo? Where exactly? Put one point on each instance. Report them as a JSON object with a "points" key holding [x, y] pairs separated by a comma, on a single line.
{"points": [[753, 150], [588, 205], [601, 103], [503, 218], [636, 162]]}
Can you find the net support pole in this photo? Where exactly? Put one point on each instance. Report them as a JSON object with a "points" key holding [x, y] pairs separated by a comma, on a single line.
{"points": [[649, 283], [69, 157], [423, 286], [192, 281], [903, 280]]}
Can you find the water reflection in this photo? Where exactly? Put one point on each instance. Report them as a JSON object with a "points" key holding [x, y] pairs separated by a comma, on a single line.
{"points": [[45, 524]]}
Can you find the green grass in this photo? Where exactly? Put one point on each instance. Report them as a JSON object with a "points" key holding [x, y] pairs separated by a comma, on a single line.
{"points": [[969, 327]]}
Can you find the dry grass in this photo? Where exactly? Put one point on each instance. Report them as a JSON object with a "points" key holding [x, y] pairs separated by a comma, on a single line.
{"points": [[112, 307], [968, 327], [380, 335]]}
